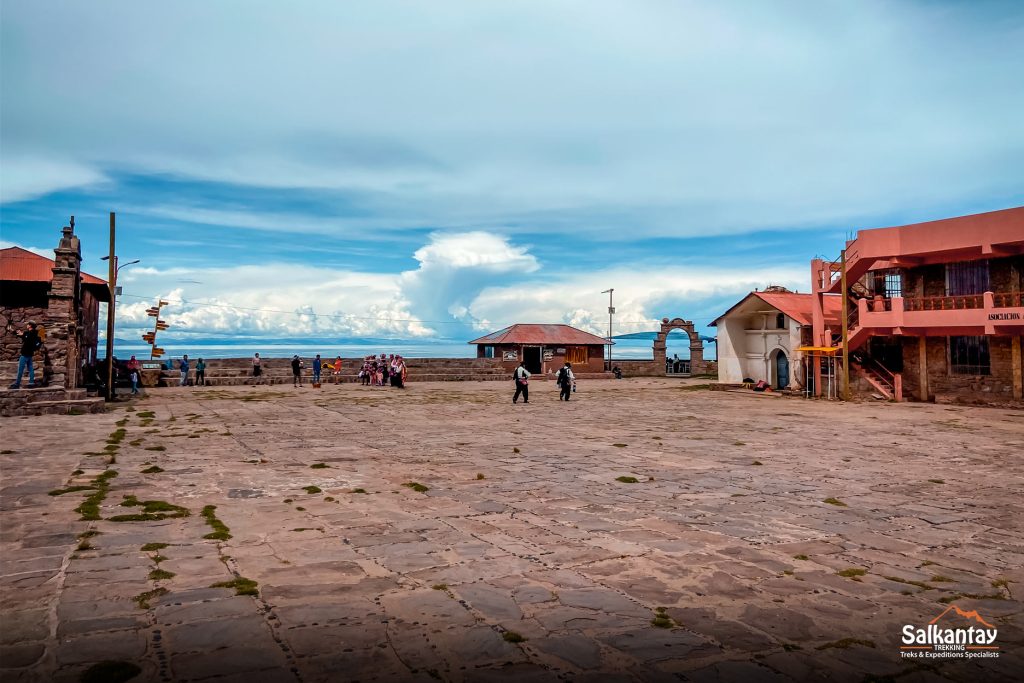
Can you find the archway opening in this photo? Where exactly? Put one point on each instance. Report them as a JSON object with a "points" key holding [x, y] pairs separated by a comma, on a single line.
{"points": [[780, 369], [677, 352]]}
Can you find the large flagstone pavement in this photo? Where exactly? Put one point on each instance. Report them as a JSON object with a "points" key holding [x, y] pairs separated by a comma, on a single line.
{"points": [[525, 558]]}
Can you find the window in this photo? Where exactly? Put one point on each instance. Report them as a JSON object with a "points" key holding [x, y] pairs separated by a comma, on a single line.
{"points": [[893, 284], [780, 321], [576, 354], [969, 356], [488, 352], [967, 277]]}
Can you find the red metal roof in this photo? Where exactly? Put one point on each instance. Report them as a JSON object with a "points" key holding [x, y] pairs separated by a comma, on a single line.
{"points": [[796, 306], [22, 265], [541, 334]]}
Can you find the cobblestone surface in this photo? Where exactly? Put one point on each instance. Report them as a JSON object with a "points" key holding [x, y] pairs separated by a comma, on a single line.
{"points": [[525, 559]]}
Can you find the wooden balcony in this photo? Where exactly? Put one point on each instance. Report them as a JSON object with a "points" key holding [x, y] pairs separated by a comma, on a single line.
{"points": [[988, 313]]}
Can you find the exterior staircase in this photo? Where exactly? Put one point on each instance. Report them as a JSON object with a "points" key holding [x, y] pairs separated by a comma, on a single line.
{"points": [[48, 401], [886, 383]]}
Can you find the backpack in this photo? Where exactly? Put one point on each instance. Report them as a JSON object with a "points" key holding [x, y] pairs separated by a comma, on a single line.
{"points": [[563, 376]]}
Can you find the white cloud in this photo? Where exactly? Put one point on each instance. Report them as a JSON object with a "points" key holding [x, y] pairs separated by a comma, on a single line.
{"points": [[27, 177], [48, 253]]}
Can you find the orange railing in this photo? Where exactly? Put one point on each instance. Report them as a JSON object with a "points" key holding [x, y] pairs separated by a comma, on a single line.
{"points": [[1007, 300], [944, 303]]}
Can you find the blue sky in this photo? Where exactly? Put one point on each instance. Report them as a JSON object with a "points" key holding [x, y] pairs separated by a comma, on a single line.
{"points": [[437, 169]]}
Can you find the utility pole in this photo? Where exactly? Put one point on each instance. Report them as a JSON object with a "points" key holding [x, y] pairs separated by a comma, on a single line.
{"points": [[611, 312], [112, 285], [846, 327]]}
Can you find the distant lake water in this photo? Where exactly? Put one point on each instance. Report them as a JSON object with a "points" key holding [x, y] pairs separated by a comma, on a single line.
{"points": [[633, 349]]}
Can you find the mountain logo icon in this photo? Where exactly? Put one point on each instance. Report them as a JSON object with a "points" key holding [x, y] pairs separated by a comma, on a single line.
{"points": [[973, 614]]}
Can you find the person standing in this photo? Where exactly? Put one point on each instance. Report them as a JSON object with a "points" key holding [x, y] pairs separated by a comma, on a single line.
{"points": [[183, 366], [133, 374], [522, 379], [257, 368], [566, 380], [296, 371], [30, 343], [200, 372], [317, 366], [337, 370]]}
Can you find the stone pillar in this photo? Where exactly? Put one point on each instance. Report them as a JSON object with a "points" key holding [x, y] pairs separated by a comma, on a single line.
{"points": [[62, 343], [1015, 364], [922, 364]]}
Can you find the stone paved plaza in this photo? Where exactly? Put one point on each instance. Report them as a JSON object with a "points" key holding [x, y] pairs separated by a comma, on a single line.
{"points": [[524, 558]]}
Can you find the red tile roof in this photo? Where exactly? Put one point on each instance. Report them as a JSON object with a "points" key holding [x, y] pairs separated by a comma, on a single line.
{"points": [[22, 265], [541, 334], [796, 306]]}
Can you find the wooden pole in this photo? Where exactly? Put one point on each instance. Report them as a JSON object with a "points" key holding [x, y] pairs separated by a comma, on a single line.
{"points": [[112, 285], [846, 328]]}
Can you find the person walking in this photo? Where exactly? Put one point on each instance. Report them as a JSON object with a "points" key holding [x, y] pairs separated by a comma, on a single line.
{"points": [[133, 374], [200, 372], [257, 368], [522, 379], [183, 366], [317, 366], [566, 380], [296, 371], [30, 343]]}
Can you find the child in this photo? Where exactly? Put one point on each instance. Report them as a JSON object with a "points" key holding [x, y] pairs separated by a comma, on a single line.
{"points": [[135, 381]]}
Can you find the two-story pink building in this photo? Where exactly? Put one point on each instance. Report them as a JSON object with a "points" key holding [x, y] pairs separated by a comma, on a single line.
{"points": [[934, 309]]}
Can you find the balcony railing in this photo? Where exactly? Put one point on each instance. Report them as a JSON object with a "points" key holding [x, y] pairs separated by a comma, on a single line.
{"points": [[944, 303], [1007, 300]]}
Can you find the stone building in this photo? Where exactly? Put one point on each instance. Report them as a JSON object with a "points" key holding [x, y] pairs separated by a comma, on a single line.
{"points": [[760, 337], [58, 296], [544, 348], [935, 309]]}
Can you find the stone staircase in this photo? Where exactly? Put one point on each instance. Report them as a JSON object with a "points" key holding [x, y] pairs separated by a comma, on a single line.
{"points": [[48, 401]]}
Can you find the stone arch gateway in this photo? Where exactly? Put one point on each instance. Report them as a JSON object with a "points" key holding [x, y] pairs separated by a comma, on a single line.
{"points": [[698, 366]]}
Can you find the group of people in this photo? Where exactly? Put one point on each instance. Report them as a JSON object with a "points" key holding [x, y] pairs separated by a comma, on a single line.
{"points": [[383, 370], [565, 380], [184, 366]]}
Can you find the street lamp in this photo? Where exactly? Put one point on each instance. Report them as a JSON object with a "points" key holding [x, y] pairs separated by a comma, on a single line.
{"points": [[112, 271], [611, 312]]}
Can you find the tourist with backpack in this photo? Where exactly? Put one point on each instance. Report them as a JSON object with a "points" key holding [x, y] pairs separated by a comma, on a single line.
{"points": [[296, 371], [183, 366], [566, 382], [521, 376]]}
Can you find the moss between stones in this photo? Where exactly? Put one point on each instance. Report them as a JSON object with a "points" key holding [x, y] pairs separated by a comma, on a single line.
{"points": [[312, 489], [156, 448], [72, 489], [512, 637], [835, 501], [628, 480], [220, 532], [152, 510], [416, 486], [358, 490], [852, 573], [155, 469], [480, 475], [90, 507], [150, 547], [800, 557], [142, 600], [110, 671], [242, 586], [319, 466], [160, 575]]}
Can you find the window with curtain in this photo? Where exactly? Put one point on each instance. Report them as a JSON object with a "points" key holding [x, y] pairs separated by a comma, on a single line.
{"points": [[967, 277], [969, 356], [576, 354]]}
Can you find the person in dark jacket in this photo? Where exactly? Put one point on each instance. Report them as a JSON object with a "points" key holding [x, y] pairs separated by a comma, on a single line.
{"points": [[296, 371], [29, 345], [565, 382], [521, 376]]}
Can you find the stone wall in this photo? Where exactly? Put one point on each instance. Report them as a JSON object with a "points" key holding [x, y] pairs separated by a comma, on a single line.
{"points": [[12, 319], [652, 368], [944, 386]]}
